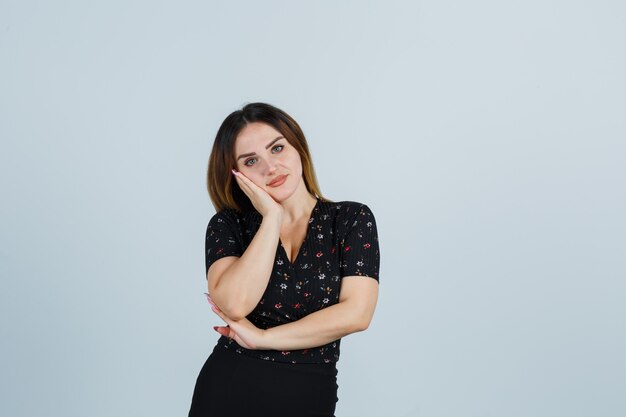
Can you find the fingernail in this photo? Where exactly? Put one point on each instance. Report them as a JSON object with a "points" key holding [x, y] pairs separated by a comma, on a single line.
{"points": [[234, 172], [215, 328]]}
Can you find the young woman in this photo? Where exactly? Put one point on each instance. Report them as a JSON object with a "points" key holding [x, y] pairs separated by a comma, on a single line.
{"points": [[289, 272]]}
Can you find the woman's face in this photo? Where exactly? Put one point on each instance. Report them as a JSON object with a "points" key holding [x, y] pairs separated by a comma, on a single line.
{"points": [[263, 155]]}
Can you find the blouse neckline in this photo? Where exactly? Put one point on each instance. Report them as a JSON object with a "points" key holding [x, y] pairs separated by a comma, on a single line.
{"points": [[306, 236]]}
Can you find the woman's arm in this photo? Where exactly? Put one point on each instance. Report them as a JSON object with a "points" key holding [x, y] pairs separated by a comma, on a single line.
{"points": [[353, 313], [237, 284]]}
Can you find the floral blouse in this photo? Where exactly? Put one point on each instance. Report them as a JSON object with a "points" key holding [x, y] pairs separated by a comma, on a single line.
{"points": [[341, 240]]}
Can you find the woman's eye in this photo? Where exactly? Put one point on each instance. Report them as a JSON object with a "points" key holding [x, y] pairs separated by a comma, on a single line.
{"points": [[254, 159]]}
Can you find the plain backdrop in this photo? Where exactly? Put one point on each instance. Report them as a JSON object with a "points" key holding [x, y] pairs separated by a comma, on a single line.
{"points": [[488, 138]]}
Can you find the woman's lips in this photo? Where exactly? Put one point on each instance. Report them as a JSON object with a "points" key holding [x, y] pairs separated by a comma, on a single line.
{"points": [[279, 181]]}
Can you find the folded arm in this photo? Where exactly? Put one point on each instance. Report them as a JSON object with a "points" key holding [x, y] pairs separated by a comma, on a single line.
{"points": [[353, 313]]}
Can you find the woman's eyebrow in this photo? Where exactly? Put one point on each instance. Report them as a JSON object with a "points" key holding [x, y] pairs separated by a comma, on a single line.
{"points": [[243, 155]]}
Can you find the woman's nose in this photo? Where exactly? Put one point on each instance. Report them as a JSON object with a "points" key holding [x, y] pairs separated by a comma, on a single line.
{"points": [[271, 166]]}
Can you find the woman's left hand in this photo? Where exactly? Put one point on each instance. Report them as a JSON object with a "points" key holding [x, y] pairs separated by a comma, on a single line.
{"points": [[243, 331]]}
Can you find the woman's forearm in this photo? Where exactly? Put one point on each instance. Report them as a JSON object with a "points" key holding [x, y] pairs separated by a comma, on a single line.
{"points": [[242, 285], [316, 329]]}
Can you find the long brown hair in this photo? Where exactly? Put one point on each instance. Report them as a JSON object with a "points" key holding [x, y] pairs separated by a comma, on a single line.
{"points": [[222, 186]]}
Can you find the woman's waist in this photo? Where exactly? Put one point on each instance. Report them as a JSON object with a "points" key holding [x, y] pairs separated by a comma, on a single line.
{"points": [[325, 356]]}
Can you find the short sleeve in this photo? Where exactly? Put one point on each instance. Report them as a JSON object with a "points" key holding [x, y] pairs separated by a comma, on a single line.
{"points": [[222, 238], [359, 251]]}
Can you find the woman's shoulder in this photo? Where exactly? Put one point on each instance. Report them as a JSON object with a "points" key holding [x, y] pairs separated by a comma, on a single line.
{"points": [[225, 214], [347, 212], [233, 217], [347, 206]]}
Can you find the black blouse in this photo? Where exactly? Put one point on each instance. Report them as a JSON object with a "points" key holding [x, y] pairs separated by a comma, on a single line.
{"points": [[341, 240]]}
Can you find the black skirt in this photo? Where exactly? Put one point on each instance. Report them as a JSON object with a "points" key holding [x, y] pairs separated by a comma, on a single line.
{"points": [[231, 384]]}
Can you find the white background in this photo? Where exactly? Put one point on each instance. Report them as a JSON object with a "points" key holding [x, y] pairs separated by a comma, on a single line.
{"points": [[488, 137]]}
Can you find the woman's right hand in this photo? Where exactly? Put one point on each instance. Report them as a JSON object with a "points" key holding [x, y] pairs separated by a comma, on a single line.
{"points": [[262, 201]]}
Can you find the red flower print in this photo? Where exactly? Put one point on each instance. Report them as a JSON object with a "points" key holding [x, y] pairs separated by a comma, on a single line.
{"points": [[278, 305], [318, 254], [366, 246], [347, 248]]}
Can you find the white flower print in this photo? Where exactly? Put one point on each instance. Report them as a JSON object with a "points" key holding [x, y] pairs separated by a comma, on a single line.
{"points": [[325, 300], [359, 263], [322, 276], [283, 286]]}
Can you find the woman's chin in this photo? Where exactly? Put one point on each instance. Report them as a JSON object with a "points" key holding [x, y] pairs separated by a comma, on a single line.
{"points": [[280, 195]]}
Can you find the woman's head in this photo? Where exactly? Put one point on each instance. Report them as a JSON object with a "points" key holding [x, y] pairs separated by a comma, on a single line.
{"points": [[264, 143]]}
